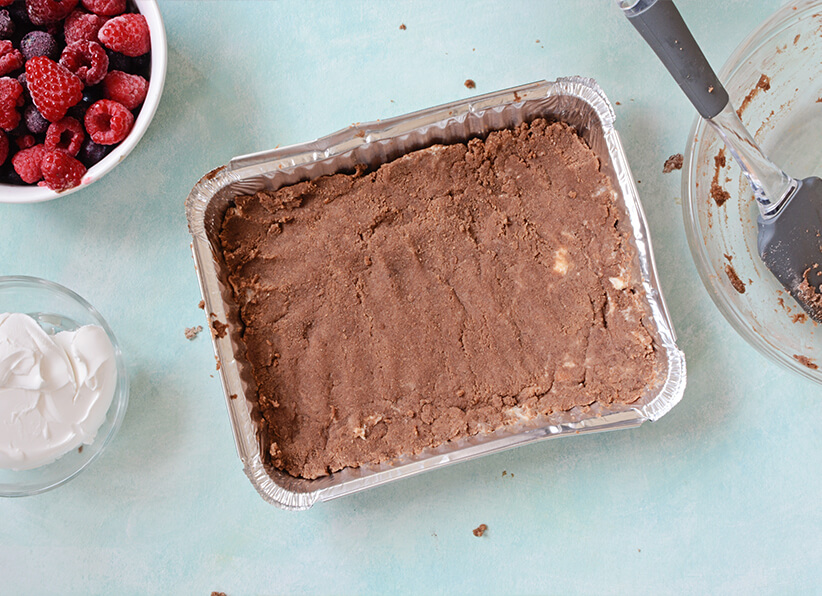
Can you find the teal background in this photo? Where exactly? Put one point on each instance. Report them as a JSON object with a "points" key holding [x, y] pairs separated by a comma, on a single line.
{"points": [[719, 496]]}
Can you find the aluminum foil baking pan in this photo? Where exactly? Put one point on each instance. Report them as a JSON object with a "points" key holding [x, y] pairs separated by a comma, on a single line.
{"points": [[577, 101]]}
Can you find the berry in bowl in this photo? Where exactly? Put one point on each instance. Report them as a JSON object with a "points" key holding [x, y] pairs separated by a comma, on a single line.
{"points": [[80, 81]]}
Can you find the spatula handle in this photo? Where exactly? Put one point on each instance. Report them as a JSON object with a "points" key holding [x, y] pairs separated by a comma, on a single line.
{"points": [[662, 27]]}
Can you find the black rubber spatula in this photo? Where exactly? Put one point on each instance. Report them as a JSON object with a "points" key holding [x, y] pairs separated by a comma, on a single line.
{"points": [[790, 210]]}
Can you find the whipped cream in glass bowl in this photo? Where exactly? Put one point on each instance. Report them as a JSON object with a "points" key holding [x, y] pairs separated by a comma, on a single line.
{"points": [[63, 385]]}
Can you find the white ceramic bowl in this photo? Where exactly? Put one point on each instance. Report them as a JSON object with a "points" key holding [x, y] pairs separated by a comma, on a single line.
{"points": [[786, 120], [56, 309], [159, 52]]}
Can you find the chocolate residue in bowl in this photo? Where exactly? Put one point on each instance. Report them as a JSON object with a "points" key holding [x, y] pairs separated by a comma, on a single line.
{"points": [[763, 84], [737, 283], [673, 163], [799, 317], [719, 194], [806, 361], [809, 296]]}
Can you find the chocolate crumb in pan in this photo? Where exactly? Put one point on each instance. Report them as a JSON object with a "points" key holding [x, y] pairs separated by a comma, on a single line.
{"points": [[371, 367]]}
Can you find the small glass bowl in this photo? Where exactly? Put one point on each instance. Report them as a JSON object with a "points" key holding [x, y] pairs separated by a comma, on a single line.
{"points": [[786, 120], [59, 309]]}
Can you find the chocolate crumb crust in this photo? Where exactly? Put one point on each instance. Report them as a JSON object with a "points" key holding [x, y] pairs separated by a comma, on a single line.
{"points": [[450, 292]]}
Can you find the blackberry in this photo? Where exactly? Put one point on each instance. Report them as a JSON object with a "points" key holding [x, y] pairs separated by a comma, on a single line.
{"points": [[90, 96], [6, 25], [34, 120], [91, 152], [26, 95], [39, 43]]}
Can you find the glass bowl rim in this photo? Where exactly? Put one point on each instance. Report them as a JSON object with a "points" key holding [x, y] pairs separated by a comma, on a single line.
{"points": [[121, 393], [771, 27]]}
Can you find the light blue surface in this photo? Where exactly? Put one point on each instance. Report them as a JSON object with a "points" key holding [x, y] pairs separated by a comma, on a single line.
{"points": [[720, 495]]}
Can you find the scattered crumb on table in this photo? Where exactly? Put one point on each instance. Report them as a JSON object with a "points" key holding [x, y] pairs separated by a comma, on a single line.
{"points": [[201, 305], [480, 530], [673, 163], [403, 27], [191, 332], [470, 84]]}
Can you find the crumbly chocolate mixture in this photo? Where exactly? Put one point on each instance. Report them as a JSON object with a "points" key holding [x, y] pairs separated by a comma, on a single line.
{"points": [[719, 194], [763, 84], [673, 163], [192, 332], [450, 292], [737, 283], [809, 297], [805, 361]]}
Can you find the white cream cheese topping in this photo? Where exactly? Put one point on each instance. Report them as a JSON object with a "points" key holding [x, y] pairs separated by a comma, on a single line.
{"points": [[55, 390]]}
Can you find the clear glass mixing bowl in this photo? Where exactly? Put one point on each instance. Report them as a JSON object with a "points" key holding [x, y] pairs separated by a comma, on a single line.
{"points": [[784, 113], [59, 309]]}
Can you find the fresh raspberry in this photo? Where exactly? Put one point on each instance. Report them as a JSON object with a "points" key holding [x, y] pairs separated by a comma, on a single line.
{"points": [[42, 12], [128, 89], [66, 135], [127, 34], [10, 58], [6, 2], [11, 97], [60, 170], [27, 163], [108, 122], [106, 8], [54, 88], [25, 141], [86, 59], [4, 147], [81, 26]]}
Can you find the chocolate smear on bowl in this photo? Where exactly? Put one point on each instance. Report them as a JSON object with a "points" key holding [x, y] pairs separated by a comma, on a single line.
{"points": [[763, 84], [804, 360], [719, 194], [737, 283]]}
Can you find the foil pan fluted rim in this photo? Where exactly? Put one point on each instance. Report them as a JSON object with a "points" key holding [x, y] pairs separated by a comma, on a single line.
{"points": [[577, 101]]}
